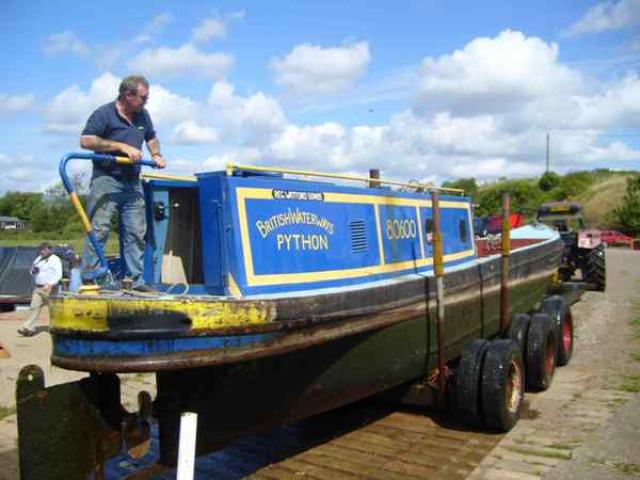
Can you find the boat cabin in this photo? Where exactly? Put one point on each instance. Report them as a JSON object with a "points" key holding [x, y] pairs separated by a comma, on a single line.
{"points": [[247, 233]]}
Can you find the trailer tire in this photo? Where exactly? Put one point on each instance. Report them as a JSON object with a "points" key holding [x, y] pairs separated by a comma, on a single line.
{"points": [[541, 352], [518, 330], [595, 270], [503, 382], [468, 377], [560, 312]]}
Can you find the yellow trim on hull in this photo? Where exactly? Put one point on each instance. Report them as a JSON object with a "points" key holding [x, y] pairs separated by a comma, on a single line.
{"points": [[92, 315]]}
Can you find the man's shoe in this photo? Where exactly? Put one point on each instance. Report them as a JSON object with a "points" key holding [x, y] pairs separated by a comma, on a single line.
{"points": [[26, 332], [143, 288]]}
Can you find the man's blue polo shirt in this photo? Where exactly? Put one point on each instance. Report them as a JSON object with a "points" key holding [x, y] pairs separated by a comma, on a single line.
{"points": [[106, 123]]}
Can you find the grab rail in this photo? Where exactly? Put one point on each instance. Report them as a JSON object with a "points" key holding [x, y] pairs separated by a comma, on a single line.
{"points": [[231, 167], [106, 159]]}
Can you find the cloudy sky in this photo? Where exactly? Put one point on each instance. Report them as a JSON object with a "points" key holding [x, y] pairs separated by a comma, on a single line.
{"points": [[424, 89]]}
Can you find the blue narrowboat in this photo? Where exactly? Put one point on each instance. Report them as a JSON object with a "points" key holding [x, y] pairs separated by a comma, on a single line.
{"points": [[280, 296]]}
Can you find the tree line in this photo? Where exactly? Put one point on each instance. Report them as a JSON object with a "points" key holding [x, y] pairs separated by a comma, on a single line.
{"points": [[528, 194], [49, 214]]}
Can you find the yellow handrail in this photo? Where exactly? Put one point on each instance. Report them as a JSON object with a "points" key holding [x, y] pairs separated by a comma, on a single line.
{"points": [[163, 176], [306, 173]]}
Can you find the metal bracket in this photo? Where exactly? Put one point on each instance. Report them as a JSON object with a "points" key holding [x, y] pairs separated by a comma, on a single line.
{"points": [[67, 431]]}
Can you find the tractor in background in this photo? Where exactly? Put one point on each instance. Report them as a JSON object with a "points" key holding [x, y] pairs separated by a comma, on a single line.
{"points": [[583, 247]]}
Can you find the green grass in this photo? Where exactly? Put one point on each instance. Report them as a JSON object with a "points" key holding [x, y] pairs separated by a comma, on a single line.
{"points": [[617, 402], [626, 469], [112, 247], [601, 198], [630, 383], [6, 411], [539, 452], [570, 445]]}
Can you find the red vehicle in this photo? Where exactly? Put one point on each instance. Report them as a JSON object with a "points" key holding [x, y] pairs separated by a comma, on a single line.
{"points": [[494, 223], [613, 237]]}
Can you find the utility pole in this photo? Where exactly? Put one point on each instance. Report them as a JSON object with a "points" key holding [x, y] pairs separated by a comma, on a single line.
{"points": [[547, 170]]}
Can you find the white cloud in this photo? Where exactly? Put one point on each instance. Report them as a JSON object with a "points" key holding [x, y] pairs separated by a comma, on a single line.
{"points": [[190, 133], [208, 29], [236, 156], [153, 28], [326, 144], [315, 69], [494, 74], [167, 108], [214, 27], [25, 173], [15, 103], [608, 15], [67, 112], [107, 56], [65, 42], [617, 150], [617, 107], [493, 168], [182, 61], [255, 118]]}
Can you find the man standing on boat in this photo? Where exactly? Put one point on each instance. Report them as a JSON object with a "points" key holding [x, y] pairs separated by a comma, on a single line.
{"points": [[47, 273], [119, 128]]}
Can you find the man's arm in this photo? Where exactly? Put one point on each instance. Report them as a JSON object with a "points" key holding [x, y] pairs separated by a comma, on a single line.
{"points": [[154, 149], [98, 144]]}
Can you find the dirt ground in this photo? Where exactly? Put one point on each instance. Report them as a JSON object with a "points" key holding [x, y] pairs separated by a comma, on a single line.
{"points": [[586, 426]]}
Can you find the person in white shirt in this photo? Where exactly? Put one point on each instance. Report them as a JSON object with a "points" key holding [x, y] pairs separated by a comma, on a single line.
{"points": [[47, 273]]}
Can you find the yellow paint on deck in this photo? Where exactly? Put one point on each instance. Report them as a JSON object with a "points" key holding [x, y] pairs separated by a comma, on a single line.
{"points": [[92, 314], [88, 314]]}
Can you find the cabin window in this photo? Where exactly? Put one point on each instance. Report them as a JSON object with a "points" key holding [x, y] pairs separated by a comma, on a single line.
{"points": [[428, 229], [462, 230], [358, 236]]}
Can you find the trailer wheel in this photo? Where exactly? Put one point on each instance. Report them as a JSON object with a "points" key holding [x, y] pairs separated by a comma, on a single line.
{"points": [[541, 352], [560, 313], [468, 378], [518, 329], [502, 385], [595, 270]]}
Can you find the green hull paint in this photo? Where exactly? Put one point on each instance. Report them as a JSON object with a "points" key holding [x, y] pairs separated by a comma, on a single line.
{"points": [[235, 399]]}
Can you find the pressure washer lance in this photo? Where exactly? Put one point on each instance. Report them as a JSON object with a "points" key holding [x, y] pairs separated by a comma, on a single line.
{"points": [[104, 159]]}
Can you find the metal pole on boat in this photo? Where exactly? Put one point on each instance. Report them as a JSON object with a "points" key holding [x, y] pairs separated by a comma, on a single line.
{"points": [[438, 271], [504, 277], [374, 174]]}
